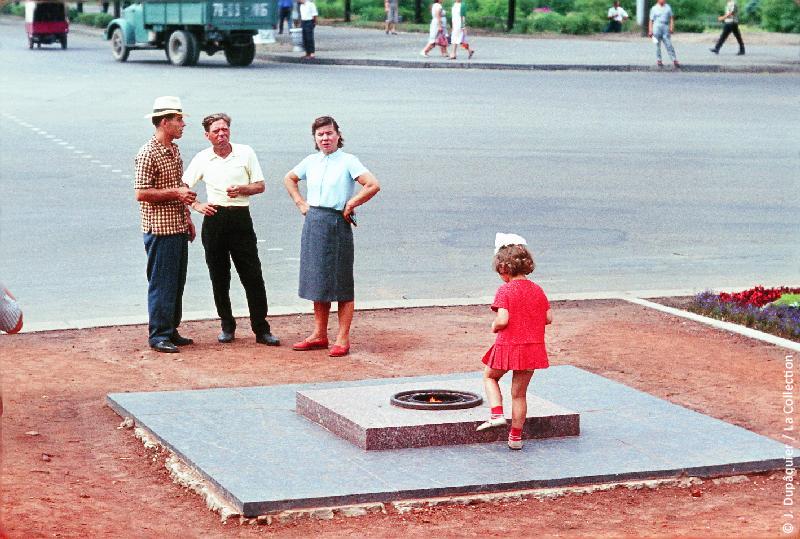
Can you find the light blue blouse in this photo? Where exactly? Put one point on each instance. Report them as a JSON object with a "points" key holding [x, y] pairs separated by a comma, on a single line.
{"points": [[331, 178], [661, 14]]}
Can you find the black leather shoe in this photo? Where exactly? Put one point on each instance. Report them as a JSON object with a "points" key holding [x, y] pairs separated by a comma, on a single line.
{"points": [[177, 340], [225, 337], [269, 339], [165, 346], [740, 53], [715, 51]]}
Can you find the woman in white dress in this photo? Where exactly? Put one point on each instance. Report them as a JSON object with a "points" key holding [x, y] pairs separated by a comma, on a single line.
{"points": [[438, 26], [459, 36]]}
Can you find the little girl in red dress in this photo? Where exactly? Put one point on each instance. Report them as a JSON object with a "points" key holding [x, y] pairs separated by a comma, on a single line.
{"points": [[522, 313]]}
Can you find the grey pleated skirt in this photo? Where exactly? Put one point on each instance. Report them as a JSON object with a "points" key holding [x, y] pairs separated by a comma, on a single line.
{"points": [[326, 256]]}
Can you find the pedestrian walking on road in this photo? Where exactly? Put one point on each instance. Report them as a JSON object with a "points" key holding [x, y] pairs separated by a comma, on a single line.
{"points": [[166, 225], [730, 22], [392, 16], [459, 34], [285, 14], [522, 314], [660, 28], [326, 246], [616, 16], [437, 33], [232, 175], [308, 20]]}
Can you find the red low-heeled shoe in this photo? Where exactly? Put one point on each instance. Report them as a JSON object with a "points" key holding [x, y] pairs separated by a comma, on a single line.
{"points": [[339, 351], [304, 346]]}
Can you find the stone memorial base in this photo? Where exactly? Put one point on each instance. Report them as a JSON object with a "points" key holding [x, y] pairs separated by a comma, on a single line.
{"points": [[365, 417], [262, 457]]}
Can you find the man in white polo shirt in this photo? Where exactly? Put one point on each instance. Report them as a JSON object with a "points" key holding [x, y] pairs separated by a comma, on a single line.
{"points": [[616, 16], [232, 174]]}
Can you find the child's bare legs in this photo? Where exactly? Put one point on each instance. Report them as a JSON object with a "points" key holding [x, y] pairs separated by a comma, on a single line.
{"points": [[491, 384], [519, 397]]}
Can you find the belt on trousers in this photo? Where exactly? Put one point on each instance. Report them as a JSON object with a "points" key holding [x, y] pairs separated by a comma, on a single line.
{"points": [[229, 208]]}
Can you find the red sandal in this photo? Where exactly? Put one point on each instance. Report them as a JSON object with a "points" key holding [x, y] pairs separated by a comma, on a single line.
{"points": [[304, 346]]}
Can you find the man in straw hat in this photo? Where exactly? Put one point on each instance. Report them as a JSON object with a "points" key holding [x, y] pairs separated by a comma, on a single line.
{"points": [[167, 227]]}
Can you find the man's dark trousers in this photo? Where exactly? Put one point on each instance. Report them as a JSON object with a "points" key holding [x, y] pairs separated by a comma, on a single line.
{"points": [[285, 15], [726, 31], [228, 235], [167, 258], [308, 36]]}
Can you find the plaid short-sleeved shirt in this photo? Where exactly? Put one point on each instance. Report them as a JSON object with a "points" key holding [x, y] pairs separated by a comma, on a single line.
{"points": [[159, 168]]}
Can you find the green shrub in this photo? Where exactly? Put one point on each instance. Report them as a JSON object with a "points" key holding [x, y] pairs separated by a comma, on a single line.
{"points": [[751, 12], [693, 26], [561, 6], [521, 26], [780, 16], [13, 9], [546, 22], [580, 24], [372, 13], [330, 9], [694, 9]]}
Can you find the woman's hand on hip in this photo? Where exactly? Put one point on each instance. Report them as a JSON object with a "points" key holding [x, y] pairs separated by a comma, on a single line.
{"points": [[348, 210]]}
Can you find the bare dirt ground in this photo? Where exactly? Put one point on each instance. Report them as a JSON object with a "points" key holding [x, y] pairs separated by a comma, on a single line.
{"points": [[80, 476]]}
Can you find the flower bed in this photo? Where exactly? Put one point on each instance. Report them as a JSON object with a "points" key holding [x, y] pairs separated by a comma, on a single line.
{"points": [[758, 308]]}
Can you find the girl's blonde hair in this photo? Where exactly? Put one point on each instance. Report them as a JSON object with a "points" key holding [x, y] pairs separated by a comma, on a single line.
{"points": [[513, 260]]}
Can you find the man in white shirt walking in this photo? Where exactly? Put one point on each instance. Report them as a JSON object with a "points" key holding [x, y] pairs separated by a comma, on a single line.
{"points": [[616, 16], [232, 174], [730, 22]]}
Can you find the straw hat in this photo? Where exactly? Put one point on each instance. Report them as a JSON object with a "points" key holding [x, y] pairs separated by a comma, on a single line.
{"points": [[166, 104]]}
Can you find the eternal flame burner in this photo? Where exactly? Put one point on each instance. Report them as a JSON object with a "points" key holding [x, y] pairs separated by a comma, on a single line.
{"points": [[436, 399]]}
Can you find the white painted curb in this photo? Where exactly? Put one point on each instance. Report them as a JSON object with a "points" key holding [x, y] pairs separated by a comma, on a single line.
{"points": [[719, 324]]}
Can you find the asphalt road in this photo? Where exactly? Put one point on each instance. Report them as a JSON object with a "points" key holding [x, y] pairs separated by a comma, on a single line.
{"points": [[620, 181]]}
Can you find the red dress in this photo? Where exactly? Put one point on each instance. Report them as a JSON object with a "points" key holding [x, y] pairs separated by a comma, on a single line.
{"points": [[520, 346]]}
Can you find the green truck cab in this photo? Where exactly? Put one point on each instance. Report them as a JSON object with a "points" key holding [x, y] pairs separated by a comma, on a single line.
{"points": [[184, 28]]}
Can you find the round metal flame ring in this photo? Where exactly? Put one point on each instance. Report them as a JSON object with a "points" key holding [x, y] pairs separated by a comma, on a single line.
{"points": [[436, 399]]}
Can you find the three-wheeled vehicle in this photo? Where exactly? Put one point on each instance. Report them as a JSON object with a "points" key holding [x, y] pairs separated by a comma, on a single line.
{"points": [[46, 22]]}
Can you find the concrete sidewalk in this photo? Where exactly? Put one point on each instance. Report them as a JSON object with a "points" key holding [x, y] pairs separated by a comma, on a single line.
{"points": [[336, 45]]}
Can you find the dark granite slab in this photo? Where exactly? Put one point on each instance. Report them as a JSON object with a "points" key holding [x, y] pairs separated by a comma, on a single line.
{"points": [[365, 417], [264, 457]]}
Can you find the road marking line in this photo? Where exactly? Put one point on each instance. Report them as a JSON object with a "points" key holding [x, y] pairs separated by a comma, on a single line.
{"points": [[116, 170]]}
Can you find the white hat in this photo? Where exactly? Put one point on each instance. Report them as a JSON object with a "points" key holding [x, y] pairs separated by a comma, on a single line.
{"points": [[502, 239], [166, 104]]}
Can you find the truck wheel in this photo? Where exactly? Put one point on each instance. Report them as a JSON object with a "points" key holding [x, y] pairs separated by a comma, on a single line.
{"points": [[240, 56], [63, 40], [119, 49], [181, 48]]}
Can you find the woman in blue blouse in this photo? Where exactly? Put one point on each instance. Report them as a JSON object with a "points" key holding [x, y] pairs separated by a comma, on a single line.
{"points": [[326, 246]]}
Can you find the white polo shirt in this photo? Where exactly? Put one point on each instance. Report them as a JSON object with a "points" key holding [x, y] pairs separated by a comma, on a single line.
{"points": [[331, 178], [308, 10], [617, 13], [240, 167]]}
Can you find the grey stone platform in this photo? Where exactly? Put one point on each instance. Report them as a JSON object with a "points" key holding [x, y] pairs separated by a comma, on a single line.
{"points": [[365, 417], [264, 457]]}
